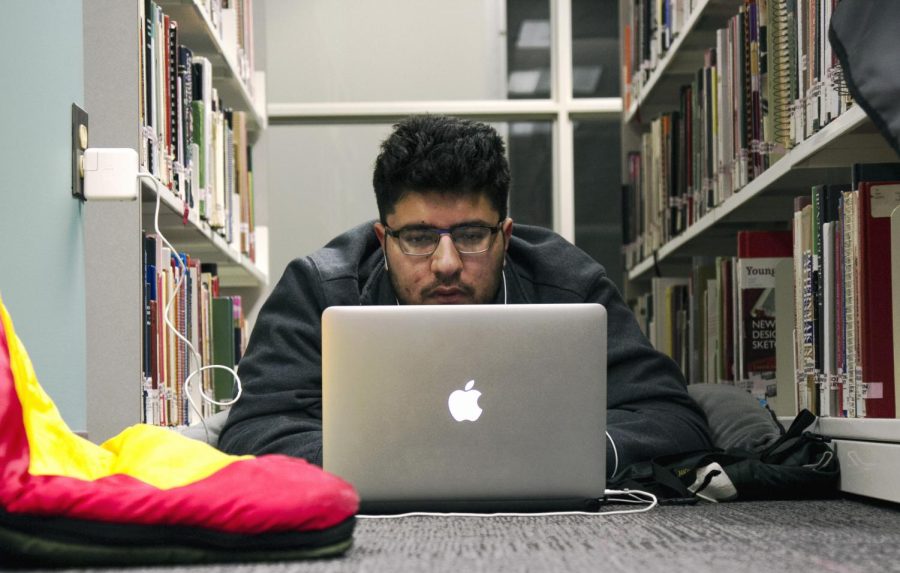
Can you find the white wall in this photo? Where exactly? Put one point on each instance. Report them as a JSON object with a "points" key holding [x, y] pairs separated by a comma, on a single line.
{"points": [[317, 179], [320, 184], [359, 50], [42, 277]]}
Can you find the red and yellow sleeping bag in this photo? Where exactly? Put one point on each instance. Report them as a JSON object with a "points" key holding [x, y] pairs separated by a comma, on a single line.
{"points": [[149, 495]]}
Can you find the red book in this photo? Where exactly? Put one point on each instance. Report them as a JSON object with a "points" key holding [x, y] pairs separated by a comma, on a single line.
{"points": [[154, 351], [758, 254], [876, 202], [840, 346], [160, 334]]}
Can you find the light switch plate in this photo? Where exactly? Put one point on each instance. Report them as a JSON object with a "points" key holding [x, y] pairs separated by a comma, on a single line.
{"points": [[79, 144]]}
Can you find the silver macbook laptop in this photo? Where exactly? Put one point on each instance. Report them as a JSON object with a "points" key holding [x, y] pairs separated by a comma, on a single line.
{"points": [[466, 408]]}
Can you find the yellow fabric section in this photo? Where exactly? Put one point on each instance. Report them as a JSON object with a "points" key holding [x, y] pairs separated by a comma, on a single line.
{"points": [[164, 458], [154, 455]]}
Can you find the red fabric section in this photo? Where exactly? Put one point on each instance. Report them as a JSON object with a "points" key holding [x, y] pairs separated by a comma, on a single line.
{"points": [[14, 453], [249, 496], [265, 494]]}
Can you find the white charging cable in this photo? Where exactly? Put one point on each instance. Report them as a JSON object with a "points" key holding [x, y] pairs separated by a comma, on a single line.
{"points": [[193, 352], [615, 455], [610, 495]]}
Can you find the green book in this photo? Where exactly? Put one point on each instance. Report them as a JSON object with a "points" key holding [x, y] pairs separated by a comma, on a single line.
{"points": [[198, 114], [223, 347]]}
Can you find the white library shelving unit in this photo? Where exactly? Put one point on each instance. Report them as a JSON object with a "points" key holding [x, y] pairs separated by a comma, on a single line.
{"points": [[868, 449], [823, 158], [195, 236], [113, 231]]}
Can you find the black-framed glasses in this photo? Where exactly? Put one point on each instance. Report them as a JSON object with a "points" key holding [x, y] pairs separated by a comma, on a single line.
{"points": [[423, 241]]}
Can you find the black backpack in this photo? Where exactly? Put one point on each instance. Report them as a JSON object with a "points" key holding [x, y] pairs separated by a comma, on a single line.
{"points": [[800, 464]]}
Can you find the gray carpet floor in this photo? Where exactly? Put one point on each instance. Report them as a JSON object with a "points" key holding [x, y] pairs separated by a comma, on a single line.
{"points": [[847, 536]]}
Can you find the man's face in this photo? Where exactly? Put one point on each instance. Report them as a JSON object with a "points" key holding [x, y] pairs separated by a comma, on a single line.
{"points": [[445, 276]]}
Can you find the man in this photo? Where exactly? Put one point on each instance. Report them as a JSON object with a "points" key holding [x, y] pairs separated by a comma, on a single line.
{"points": [[443, 237]]}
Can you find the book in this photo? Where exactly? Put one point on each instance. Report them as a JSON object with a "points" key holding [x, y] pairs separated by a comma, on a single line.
{"points": [[851, 403], [239, 322], [824, 201], [676, 326], [242, 206], [703, 268], [828, 391], [223, 347], [195, 319], [726, 325], [663, 312], [202, 110], [895, 304], [876, 203], [804, 309], [840, 347], [711, 332], [185, 90], [784, 403], [758, 254], [218, 183]]}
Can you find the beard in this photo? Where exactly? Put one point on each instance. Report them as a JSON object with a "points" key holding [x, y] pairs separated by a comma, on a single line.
{"points": [[450, 291]]}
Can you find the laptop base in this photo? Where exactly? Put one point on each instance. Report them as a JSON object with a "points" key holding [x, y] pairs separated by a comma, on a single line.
{"points": [[480, 506]]}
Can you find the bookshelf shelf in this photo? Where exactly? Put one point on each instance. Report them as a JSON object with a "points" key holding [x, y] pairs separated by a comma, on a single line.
{"points": [[681, 60], [196, 237], [868, 451], [868, 448], [869, 429], [823, 158], [197, 30]]}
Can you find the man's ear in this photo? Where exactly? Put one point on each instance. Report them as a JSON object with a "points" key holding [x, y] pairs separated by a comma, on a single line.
{"points": [[379, 232], [507, 231]]}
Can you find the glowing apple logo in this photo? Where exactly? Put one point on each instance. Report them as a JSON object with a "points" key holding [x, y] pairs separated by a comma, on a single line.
{"points": [[464, 403]]}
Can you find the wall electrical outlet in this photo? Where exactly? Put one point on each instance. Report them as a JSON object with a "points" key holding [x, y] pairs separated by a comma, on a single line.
{"points": [[79, 145]]}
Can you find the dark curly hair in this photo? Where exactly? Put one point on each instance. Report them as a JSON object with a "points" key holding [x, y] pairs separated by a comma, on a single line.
{"points": [[443, 154]]}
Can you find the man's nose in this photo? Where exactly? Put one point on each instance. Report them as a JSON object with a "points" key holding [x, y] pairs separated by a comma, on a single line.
{"points": [[445, 261]]}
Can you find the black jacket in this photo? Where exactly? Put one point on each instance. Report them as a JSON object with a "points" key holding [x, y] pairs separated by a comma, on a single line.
{"points": [[649, 410]]}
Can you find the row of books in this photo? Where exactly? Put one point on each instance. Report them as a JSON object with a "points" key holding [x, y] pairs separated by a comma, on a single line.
{"points": [[718, 324], [213, 324], [800, 318], [232, 21], [770, 81], [842, 268], [193, 143], [650, 28]]}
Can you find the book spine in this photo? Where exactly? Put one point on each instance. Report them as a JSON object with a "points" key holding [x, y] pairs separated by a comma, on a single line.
{"points": [[876, 203]]}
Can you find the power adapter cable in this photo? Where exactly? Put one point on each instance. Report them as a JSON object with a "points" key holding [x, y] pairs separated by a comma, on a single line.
{"points": [[198, 360], [610, 496]]}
